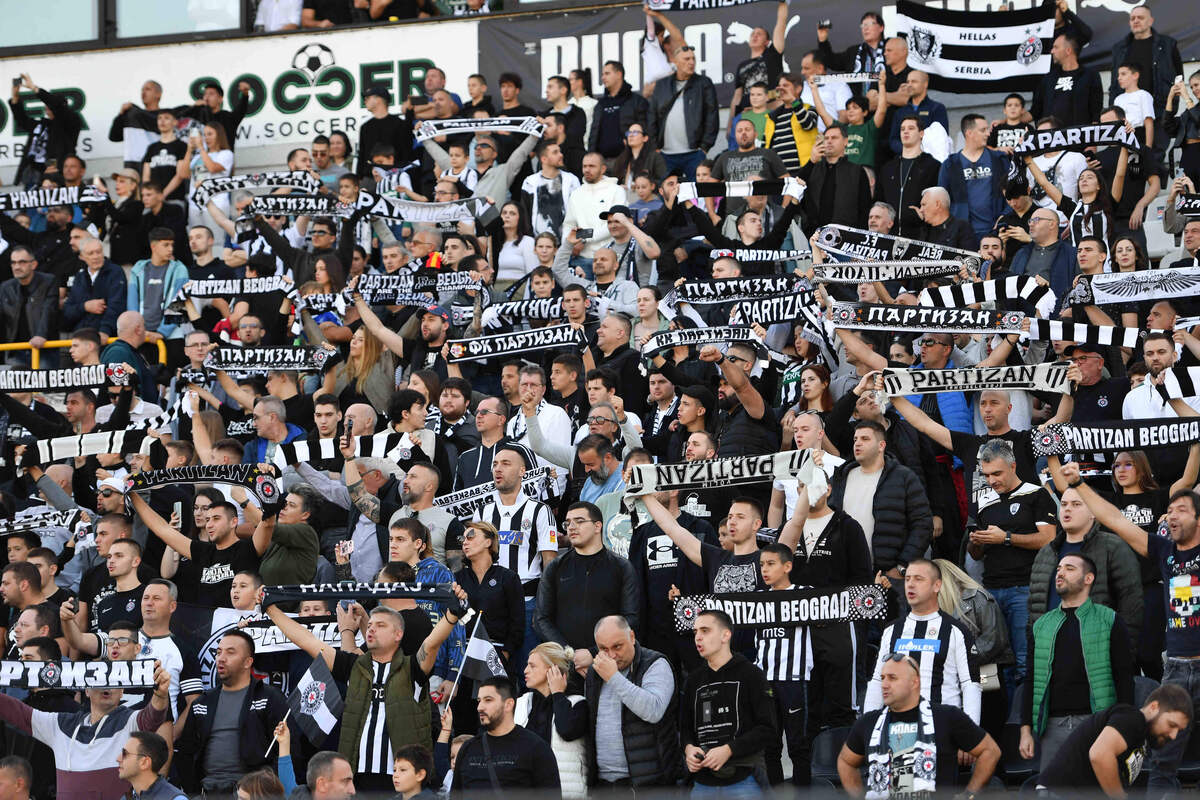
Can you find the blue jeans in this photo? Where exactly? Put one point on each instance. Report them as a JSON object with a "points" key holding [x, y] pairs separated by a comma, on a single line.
{"points": [[747, 789], [1014, 604], [688, 163], [1164, 761], [532, 640]]}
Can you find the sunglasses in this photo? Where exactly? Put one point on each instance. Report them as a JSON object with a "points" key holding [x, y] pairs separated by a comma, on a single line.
{"points": [[905, 657], [471, 533], [687, 48], [107, 492], [931, 343]]}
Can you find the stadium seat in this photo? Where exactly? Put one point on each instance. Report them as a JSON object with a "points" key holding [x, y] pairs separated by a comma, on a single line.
{"points": [[1142, 687], [825, 749]]}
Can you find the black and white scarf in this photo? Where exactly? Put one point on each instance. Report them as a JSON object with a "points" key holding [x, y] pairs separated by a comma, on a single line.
{"points": [[390, 445], [1038, 377], [350, 590], [746, 255], [1099, 335], [402, 288], [790, 187], [432, 128], [1131, 434], [292, 205], [1188, 204], [845, 77], [1015, 287], [880, 758], [471, 209], [1077, 137], [698, 337], [508, 344], [464, 503], [229, 287], [785, 608], [58, 196], [211, 187], [869, 271], [49, 519], [784, 308], [920, 319], [58, 380], [296, 359], [1135, 287], [693, 5], [1180, 382], [87, 444], [788, 465], [262, 484], [513, 312], [860, 245], [322, 303], [77, 675], [728, 290]]}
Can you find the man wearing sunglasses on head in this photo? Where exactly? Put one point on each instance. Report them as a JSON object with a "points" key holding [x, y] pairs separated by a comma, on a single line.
{"points": [[911, 745]]}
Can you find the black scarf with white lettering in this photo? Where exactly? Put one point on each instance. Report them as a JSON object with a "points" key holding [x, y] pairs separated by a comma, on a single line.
{"points": [[77, 675], [432, 128], [226, 289], [33, 522], [464, 504], [292, 205], [1038, 377], [58, 196], [784, 308], [471, 209], [728, 290], [1076, 137], [920, 319], [1131, 434], [1188, 204], [58, 380], [749, 256], [857, 244], [211, 187], [698, 337], [785, 608], [869, 271], [295, 359], [350, 590], [263, 485], [407, 288], [510, 344]]}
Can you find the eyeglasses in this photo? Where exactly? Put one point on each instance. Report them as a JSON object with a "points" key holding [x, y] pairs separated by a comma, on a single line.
{"points": [[737, 359], [483, 412], [1083, 358], [575, 522], [122, 640], [322, 233], [634, 131], [687, 48], [597, 420], [931, 343], [471, 533]]}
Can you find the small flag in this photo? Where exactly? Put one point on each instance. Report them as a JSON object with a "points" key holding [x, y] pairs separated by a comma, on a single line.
{"points": [[316, 702], [481, 661]]}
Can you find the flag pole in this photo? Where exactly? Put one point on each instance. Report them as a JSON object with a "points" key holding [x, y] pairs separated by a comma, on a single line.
{"points": [[271, 746], [458, 677]]}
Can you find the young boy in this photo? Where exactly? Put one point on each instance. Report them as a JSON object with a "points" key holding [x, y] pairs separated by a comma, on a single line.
{"points": [[412, 772], [460, 169], [1012, 131], [1138, 104], [758, 111]]}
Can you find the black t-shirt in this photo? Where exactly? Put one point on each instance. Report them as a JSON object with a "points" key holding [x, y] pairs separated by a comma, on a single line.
{"points": [[1007, 135], [726, 572], [266, 307], [953, 731], [519, 759], [1073, 766], [660, 564], [1100, 402], [163, 158], [761, 69], [1180, 572], [117, 606], [336, 11], [216, 569], [1143, 510], [1060, 102], [966, 447], [1016, 512], [299, 410]]}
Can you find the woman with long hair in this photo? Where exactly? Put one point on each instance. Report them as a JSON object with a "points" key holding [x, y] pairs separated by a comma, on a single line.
{"points": [[558, 718], [366, 375], [329, 272], [650, 320], [121, 214], [637, 157], [1092, 213], [264, 784], [515, 257], [341, 152], [581, 95], [1128, 255], [208, 156], [814, 389]]}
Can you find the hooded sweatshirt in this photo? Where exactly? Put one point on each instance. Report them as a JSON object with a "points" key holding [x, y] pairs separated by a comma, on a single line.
{"points": [[583, 211], [728, 707]]}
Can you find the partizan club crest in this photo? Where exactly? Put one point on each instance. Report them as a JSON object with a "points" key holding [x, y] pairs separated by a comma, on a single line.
{"points": [[313, 697], [1030, 49], [925, 44]]}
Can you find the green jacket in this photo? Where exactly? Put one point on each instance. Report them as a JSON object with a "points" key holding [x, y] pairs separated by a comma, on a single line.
{"points": [[409, 721], [1118, 577], [291, 556], [1095, 629]]}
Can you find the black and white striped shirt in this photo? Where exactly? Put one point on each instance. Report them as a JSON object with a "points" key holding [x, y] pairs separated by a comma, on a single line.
{"points": [[945, 649], [375, 748], [784, 654], [526, 528]]}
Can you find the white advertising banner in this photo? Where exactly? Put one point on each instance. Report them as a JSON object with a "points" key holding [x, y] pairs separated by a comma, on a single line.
{"points": [[301, 85]]}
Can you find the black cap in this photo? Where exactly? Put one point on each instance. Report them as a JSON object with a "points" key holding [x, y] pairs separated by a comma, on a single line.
{"points": [[378, 91], [1085, 347], [617, 210]]}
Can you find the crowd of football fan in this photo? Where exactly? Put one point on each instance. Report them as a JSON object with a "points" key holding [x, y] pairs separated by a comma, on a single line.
{"points": [[1034, 607]]}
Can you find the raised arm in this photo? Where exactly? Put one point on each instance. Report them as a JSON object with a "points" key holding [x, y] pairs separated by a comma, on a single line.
{"points": [[388, 337], [684, 539], [1108, 515], [300, 636], [737, 379], [427, 652], [1052, 191], [160, 527]]}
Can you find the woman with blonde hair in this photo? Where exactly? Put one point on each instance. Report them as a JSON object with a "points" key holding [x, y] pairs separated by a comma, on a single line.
{"points": [[560, 719], [962, 597], [367, 375]]}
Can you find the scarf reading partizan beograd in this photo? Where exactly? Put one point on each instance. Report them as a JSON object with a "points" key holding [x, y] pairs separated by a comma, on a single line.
{"points": [[785, 608], [921, 319], [1076, 137], [510, 344], [1134, 287], [351, 590], [379, 290], [227, 288], [870, 271], [1015, 287], [464, 503], [745, 255], [432, 128], [788, 465], [1131, 434], [56, 380], [79, 675], [58, 196], [295, 359], [298, 179], [857, 244], [1037, 377]]}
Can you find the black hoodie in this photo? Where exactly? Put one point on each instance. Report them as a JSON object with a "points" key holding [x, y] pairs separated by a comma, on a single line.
{"points": [[612, 117], [728, 707]]}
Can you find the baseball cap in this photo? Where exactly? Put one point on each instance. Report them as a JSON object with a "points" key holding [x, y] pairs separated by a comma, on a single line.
{"points": [[112, 483], [616, 210], [1071, 349], [438, 311], [127, 172], [378, 91]]}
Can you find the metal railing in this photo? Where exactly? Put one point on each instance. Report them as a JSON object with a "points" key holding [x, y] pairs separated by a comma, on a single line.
{"points": [[35, 353]]}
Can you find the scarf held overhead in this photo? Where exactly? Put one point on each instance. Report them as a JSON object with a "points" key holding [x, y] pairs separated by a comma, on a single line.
{"points": [[860, 245], [1188, 204], [1076, 137], [501, 344], [464, 503], [471, 209], [432, 128], [351, 590], [876, 317], [211, 187], [664, 340], [789, 187], [1135, 287], [785, 308], [1106, 335], [57, 380], [58, 196], [297, 359], [137, 674], [1015, 287], [1038, 377], [727, 290], [869, 271], [789, 465], [786, 608], [387, 289], [262, 484]]}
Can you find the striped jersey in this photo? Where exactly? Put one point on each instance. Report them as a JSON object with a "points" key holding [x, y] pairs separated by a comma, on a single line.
{"points": [[375, 747], [784, 654], [945, 649], [526, 528]]}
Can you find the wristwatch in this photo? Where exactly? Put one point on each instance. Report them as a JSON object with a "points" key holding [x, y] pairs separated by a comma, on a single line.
{"points": [[1076, 484], [1008, 538]]}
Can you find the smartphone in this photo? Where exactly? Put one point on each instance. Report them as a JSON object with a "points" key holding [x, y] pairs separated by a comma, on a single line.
{"points": [[1178, 79], [583, 234], [178, 509], [344, 605]]}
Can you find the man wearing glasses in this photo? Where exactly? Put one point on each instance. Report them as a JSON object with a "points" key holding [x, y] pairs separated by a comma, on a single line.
{"points": [[1047, 256], [901, 739], [139, 763], [28, 301]]}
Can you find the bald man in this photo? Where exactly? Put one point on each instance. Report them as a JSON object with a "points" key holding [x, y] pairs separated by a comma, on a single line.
{"points": [[131, 335]]}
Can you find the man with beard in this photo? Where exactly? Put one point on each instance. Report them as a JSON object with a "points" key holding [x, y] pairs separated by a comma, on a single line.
{"points": [[1107, 751], [417, 491], [387, 695], [612, 352], [227, 732], [504, 754], [748, 426], [1143, 401]]}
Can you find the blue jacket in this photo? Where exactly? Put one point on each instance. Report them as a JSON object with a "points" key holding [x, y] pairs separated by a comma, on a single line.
{"points": [[255, 450], [176, 277], [928, 110], [953, 406], [1062, 271], [109, 286], [950, 178]]}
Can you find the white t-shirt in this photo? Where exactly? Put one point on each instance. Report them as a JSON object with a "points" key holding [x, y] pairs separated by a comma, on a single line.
{"points": [[790, 488], [834, 95], [515, 259], [1065, 176], [859, 499], [813, 528], [1137, 106]]}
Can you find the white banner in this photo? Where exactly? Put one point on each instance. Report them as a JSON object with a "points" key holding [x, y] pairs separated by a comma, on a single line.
{"points": [[302, 86]]}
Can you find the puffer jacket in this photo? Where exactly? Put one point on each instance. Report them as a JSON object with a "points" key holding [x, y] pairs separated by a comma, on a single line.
{"points": [[1118, 579], [571, 756], [700, 111], [903, 522]]}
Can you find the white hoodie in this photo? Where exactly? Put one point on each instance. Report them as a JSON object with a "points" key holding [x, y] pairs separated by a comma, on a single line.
{"points": [[583, 211]]}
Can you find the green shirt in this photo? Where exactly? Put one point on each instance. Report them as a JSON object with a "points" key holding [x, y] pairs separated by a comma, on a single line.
{"points": [[760, 122], [860, 143]]}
